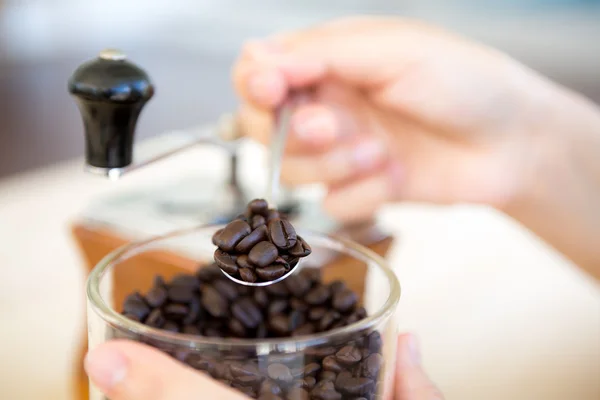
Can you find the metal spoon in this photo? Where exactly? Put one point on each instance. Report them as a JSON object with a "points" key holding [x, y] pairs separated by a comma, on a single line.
{"points": [[282, 125]]}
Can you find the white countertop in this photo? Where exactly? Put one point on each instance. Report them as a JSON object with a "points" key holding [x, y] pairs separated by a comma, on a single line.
{"points": [[500, 316]]}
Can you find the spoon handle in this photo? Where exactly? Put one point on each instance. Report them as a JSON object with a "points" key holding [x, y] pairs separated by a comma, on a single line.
{"points": [[282, 127]]}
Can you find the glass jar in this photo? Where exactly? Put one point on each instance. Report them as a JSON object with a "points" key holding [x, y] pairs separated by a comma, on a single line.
{"points": [[312, 361]]}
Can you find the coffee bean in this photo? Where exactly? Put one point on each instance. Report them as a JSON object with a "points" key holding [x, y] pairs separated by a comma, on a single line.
{"points": [[185, 280], [279, 324], [227, 289], [247, 370], [298, 383], [321, 352], [270, 387], [243, 261], [258, 220], [256, 236], [296, 319], [208, 273], [136, 305], [270, 273], [318, 295], [213, 302], [348, 384], [280, 373], [261, 331], [237, 328], [371, 365], [305, 329], [247, 312], [215, 237], [155, 319], [297, 394], [328, 320], [298, 285], [226, 262], [337, 286], [157, 296], [281, 261], [247, 390], [300, 249], [176, 311], [194, 311], [269, 396], [330, 363], [312, 274], [327, 376], [181, 293], [132, 317], [171, 327], [260, 297], [263, 254], [374, 342], [348, 355], [232, 234], [298, 305], [309, 382], [282, 233], [325, 390], [278, 289], [248, 275], [190, 330], [258, 206], [272, 214], [278, 306], [316, 313]]}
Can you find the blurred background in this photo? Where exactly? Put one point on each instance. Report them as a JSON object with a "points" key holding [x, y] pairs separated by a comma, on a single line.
{"points": [[505, 328], [187, 47]]}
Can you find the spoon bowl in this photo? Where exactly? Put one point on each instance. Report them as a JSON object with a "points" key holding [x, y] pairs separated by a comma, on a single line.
{"points": [[263, 284]]}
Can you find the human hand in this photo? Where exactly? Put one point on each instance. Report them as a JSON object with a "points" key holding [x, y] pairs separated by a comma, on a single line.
{"points": [[399, 111], [125, 370]]}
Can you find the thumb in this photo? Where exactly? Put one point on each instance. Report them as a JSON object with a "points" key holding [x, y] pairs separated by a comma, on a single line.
{"points": [[125, 370], [412, 383]]}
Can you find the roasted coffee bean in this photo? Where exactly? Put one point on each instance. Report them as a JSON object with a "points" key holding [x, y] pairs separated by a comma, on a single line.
{"points": [[190, 330], [201, 363], [263, 254], [348, 384], [256, 236], [232, 234], [136, 305], [337, 286], [309, 382], [176, 311], [318, 295], [215, 237], [279, 324], [316, 313], [243, 261], [280, 373], [214, 303], [371, 366], [246, 370], [281, 261], [270, 387], [348, 355], [209, 273], [185, 280], [181, 293], [325, 390], [272, 272], [226, 262], [272, 214], [312, 274], [261, 331], [278, 289], [155, 319], [330, 363], [282, 233], [328, 319], [298, 285], [298, 305], [170, 326], [237, 328], [297, 393], [268, 396], [296, 319], [194, 311], [260, 297], [157, 296], [247, 312], [258, 206], [321, 352], [305, 329], [248, 275], [327, 376], [300, 249], [228, 289], [258, 220], [278, 306], [374, 342]]}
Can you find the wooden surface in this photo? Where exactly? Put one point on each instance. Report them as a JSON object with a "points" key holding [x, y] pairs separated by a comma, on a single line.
{"points": [[140, 271]]}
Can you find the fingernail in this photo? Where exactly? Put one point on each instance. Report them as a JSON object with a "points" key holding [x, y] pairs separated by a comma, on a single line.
{"points": [[369, 153], [265, 86], [320, 126], [412, 349], [106, 367]]}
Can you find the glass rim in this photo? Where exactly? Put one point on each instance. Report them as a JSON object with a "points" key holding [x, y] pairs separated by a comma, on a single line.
{"points": [[114, 318]]}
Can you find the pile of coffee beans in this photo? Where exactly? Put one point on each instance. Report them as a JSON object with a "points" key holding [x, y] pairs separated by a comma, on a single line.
{"points": [[260, 245], [208, 304]]}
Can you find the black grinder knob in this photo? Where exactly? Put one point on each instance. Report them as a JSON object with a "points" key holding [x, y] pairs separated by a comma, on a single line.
{"points": [[110, 93]]}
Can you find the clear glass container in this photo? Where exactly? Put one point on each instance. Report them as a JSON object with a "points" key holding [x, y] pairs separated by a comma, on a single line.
{"points": [[133, 268]]}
